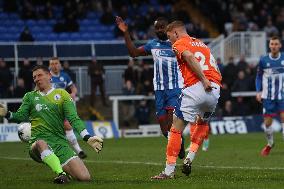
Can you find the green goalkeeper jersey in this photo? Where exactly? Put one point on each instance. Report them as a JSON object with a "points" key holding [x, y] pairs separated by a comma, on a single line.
{"points": [[47, 113]]}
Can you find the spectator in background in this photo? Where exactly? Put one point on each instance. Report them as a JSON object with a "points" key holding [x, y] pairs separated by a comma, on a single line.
{"points": [[228, 108], [6, 79], [146, 80], [66, 68], [26, 35], [241, 83], [142, 113], [230, 72], [25, 73], [131, 74], [225, 95], [241, 108], [220, 64], [39, 61], [18, 92], [270, 29], [107, 17], [242, 64], [128, 109], [96, 73]]}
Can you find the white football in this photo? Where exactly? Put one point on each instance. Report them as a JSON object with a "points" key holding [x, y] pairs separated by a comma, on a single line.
{"points": [[24, 131]]}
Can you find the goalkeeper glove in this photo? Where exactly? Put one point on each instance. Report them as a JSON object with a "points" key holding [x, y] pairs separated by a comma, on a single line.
{"points": [[95, 142], [3, 110]]}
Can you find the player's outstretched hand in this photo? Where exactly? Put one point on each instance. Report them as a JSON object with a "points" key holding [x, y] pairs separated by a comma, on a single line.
{"points": [[121, 24], [3, 110], [96, 143]]}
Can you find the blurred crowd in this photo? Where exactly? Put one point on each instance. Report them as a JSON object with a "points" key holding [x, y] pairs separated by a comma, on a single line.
{"points": [[67, 15], [242, 15]]}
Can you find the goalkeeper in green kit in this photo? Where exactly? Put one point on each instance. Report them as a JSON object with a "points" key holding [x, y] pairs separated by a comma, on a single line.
{"points": [[46, 108]]}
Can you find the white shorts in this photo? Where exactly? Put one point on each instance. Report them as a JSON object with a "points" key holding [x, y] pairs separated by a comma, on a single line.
{"points": [[195, 101]]}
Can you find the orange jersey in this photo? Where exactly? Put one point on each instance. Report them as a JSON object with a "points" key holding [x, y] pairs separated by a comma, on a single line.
{"points": [[202, 54]]}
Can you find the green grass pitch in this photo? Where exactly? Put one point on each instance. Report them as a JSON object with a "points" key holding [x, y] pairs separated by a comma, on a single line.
{"points": [[233, 161]]}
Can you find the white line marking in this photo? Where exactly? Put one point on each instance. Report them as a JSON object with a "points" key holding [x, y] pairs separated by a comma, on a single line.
{"points": [[161, 164]]}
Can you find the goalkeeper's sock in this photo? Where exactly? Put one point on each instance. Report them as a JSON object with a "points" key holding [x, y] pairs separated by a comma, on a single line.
{"points": [[269, 136], [173, 147], [73, 140], [51, 160]]}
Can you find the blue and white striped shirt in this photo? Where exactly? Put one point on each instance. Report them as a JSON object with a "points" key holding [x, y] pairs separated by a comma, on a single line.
{"points": [[270, 77], [166, 71]]}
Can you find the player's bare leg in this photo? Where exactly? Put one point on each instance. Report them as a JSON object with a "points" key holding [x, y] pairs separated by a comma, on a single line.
{"points": [[73, 140], [42, 151], [77, 169], [269, 136]]}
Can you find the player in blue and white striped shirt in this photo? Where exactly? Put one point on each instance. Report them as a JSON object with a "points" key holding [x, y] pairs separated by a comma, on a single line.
{"points": [[167, 81], [270, 88]]}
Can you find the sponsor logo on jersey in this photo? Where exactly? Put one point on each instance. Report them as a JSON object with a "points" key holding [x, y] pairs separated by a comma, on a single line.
{"points": [[38, 107], [57, 97]]}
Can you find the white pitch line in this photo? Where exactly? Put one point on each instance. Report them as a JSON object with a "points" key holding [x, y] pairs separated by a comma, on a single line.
{"points": [[161, 164]]}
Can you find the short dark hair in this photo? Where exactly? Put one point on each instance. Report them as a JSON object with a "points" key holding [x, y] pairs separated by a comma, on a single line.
{"points": [[42, 67], [275, 37], [162, 19]]}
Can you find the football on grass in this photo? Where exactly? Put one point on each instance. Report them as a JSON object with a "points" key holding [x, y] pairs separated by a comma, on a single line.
{"points": [[24, 131]]}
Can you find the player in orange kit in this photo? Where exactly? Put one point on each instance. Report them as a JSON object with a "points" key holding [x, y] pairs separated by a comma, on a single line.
{"points": [[202, 81]]}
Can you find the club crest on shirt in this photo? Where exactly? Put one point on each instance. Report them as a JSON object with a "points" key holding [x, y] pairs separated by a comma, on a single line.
{"points": [[282, 62], [57, 97], [61, 78], [36, 98], [267, 64]]}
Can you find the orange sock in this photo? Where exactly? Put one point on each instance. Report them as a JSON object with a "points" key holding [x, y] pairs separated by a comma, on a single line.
{"points": [[173, 146], [200, 133], [193, 147]]}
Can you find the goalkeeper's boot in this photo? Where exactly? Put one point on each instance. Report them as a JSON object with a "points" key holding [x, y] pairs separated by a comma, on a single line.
{"points": [[182, 151], [266, 150], [186, 167], [82, 155], [163, 176], [62, 178]]}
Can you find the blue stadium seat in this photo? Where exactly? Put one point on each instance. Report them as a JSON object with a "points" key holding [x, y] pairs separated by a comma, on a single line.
{"points": [[52, 37], [87, 37], [13, 16], [31, 23], [63, 37], [75, 37]]}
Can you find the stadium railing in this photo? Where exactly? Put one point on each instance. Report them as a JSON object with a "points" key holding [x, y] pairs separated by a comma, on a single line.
{"points": [[252, 45]]}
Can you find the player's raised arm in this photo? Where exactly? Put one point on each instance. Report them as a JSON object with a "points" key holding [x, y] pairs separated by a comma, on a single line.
{"points": [[132, 49], [22, 113], [72, 116]]}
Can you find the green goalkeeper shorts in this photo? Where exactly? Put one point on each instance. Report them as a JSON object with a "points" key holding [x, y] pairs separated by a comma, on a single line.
{"points": [[62, 151]]}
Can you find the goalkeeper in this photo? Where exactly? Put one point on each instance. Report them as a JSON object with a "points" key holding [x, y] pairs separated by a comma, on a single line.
{"points": [[46, 108]]}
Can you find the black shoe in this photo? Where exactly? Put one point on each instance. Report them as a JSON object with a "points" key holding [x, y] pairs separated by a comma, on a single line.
{"points": [[62, 178], [186, 168], [82, 155], [182, 151]]}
